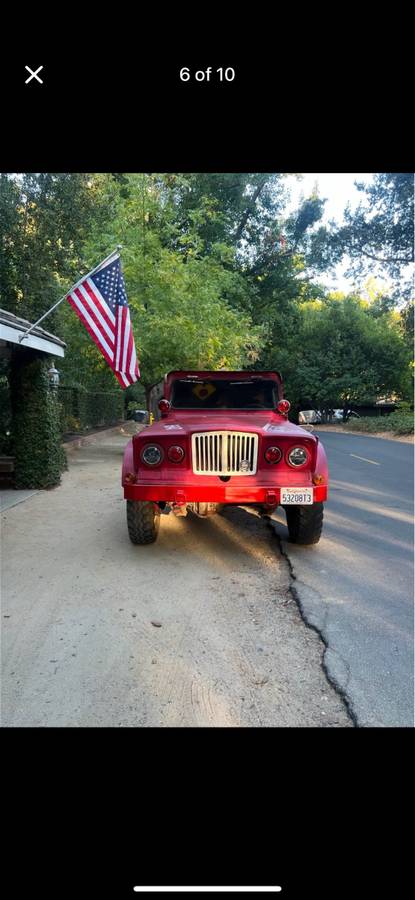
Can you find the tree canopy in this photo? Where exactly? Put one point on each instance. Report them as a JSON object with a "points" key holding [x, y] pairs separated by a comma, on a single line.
{"points": [[379, 231], [347, 354], [220, 273]]}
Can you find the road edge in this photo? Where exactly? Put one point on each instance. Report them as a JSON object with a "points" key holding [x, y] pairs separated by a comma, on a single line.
{"points": [[383, 435], [296, 595]]}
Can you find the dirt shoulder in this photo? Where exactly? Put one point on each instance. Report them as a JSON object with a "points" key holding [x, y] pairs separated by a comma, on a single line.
{"points": [[405, 438], [73, 441], [199, 629]]}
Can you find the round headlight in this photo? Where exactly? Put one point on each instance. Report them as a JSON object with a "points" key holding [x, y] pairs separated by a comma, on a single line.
{"points": [[297, 456], [273, 454], [152, 455]]}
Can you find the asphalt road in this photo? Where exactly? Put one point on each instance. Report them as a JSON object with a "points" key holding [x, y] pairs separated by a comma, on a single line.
{"points": [[198, 629], [356, 585]]}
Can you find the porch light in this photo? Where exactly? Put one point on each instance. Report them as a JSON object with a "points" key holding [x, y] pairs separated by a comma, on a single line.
{"points": [[53, 376]]}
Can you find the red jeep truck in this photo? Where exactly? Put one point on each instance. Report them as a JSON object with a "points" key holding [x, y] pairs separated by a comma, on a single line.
{"points": [[224, 437]]}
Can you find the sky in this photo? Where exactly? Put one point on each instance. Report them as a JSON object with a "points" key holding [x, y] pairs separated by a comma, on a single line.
{"points": [[339, 190]]}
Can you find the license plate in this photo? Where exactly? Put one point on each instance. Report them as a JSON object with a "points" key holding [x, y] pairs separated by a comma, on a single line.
{"points": [[296, 496]]}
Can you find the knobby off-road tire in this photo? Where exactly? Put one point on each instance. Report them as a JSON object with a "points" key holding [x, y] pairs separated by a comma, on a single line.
{"points": [[305, 523], [143, 521]]}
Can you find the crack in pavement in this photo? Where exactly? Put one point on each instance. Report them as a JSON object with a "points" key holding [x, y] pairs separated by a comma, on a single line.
{"points": [[331, 659]]}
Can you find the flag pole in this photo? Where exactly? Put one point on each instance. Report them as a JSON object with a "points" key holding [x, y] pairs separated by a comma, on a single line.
{"points": [[74, 286]]}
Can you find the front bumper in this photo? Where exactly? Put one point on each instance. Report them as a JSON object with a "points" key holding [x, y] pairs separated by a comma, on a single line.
{"points": [[181, 494]]}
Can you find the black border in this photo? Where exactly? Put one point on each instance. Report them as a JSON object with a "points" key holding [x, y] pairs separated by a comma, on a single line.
{"points": [[294, 106], [91, 812]]}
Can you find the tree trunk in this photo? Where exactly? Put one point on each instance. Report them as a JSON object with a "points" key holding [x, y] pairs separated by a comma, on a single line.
{"points": [[249, 210], [148, 388]]}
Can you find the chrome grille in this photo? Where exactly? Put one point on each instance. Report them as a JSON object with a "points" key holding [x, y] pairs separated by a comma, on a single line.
{"points": [[224, 453]]}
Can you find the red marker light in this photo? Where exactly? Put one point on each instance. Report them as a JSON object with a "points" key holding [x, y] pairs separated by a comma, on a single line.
{"points": [[283, 407], [175, 454], [164, 406], [273, 454]]}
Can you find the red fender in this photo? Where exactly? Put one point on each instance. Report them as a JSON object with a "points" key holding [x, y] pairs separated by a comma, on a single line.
{"points": [[322, 467], [128, 461]]}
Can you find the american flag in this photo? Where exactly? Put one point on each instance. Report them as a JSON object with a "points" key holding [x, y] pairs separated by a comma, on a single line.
{"points": [[101, 303]]}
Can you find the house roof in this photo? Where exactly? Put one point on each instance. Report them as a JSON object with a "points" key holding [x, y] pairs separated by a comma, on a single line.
{"points": [[13, 327]]}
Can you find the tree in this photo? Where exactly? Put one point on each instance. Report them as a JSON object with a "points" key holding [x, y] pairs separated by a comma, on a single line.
{"points": [[407, 323], [210, 263], [342, 354], [231, 209], [379, 232], [185, 303], [45, 219]]}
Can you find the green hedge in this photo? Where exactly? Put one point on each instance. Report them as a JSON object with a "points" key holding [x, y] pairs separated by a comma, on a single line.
{"points": [[399, 422], [35, 427], [5, 416], [82, 409]]}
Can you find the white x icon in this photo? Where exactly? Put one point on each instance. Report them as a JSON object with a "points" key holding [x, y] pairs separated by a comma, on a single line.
{"points": [[34, 74]]}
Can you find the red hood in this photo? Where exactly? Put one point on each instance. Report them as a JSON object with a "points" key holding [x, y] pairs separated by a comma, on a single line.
{"points": [[186, 422]]}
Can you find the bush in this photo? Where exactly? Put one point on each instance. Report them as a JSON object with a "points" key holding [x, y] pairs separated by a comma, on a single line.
{"points": [[82, 409], [399, 422], [36, 439], [132, 405], [5, 416], [404, 406], [71, 424]]}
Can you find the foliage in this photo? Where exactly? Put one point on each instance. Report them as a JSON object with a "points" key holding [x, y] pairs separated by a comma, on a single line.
{"points": [[5, 413], [132, 406], [39, 457], [340, 353], [399, 422], [407, 323], [44, 220], [69, 423], [82, 409], [218, 275], [135, 396], [379, 231], [188, 308]]}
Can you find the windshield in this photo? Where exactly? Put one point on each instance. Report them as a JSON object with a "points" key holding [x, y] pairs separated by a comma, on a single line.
{"points": [[220, 394]]}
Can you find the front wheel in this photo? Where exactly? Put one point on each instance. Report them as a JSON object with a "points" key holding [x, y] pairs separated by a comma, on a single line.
{"points": [[143, 521], [305, 523]]}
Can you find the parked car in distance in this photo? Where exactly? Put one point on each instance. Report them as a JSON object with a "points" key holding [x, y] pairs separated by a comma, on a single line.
{"points": [[337, 414], [224, 438], [316, 416], [138, 415], [309, 417]]}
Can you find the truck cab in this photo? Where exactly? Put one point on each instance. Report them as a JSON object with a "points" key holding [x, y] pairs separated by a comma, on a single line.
{"points": [[224, 438]]}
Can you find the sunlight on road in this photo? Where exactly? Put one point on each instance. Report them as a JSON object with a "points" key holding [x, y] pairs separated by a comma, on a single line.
{"points": [[398, 514], [337, 485]]}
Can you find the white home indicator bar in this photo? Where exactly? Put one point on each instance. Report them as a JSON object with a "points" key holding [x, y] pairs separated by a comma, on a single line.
{"points": [[209, 890]]}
